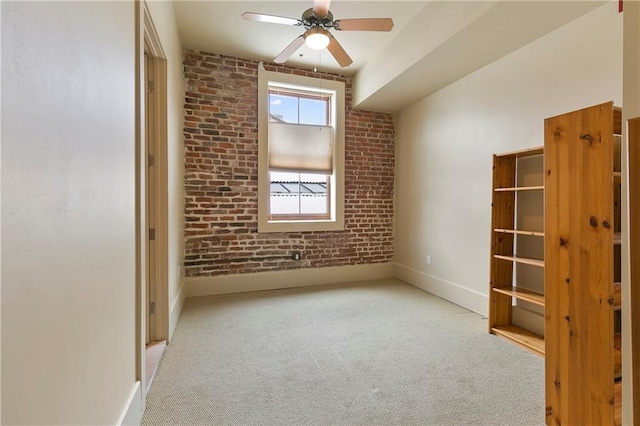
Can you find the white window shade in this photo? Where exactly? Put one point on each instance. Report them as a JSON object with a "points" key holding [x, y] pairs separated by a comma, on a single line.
{"points": [[300, 148]]}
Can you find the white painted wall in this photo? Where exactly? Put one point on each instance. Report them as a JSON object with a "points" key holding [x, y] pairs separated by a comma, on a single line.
{"points": [[68, 218], [434, 24], [445, 142], [449, 40], [165, 22]]}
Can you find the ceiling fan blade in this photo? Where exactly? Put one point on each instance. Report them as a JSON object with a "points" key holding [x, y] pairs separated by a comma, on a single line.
{"points": [[272, 19], [339, 53], [289, 50], [364, 24], [321, 8]]}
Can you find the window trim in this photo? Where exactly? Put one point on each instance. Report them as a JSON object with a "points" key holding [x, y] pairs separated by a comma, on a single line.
{"points": [[336, 223]]}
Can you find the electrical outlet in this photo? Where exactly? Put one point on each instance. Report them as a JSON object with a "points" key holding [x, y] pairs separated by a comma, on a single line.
{"points": [[295, 255], [428, 259]]}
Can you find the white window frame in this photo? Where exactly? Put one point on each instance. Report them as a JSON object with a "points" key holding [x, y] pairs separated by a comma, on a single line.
{"points": [[337, 89]]}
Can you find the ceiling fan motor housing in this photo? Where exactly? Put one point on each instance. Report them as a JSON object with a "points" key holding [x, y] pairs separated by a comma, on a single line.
{"points": [[310, 20]]}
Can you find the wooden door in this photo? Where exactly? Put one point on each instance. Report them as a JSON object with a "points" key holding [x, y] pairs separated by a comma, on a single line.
{"points": [[634, 263], [579, 231]]}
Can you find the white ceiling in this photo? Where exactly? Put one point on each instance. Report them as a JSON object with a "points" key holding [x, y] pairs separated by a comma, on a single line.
{"points": [[216, 26], [433, 43]]}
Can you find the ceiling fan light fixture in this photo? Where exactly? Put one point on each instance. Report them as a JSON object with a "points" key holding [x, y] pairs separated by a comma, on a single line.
{"points": [[317, 38]]}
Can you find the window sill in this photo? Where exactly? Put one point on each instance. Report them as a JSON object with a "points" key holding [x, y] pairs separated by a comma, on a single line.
{"points": [[300, 226]]}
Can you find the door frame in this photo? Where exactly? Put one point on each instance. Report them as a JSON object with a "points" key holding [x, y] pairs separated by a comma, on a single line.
{"points": [[158, 62], [146, 34]]}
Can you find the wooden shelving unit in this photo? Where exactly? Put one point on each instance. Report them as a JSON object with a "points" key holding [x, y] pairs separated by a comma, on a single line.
{"points": [[580, 183], [582, 274], [634, 266], [510, 255]]}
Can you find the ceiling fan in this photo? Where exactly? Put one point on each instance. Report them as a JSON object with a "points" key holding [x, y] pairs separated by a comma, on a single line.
{"points": [[318, 21]]}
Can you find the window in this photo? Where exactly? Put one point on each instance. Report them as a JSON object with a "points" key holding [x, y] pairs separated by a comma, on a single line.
{"points": [[301, 153], [292, 114]]}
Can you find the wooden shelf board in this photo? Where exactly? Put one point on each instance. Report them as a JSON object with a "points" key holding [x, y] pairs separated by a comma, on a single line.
{"points": [[522, 337], [520, 188], [524, 260], [520, 232], [529, 152], [522, 294]]}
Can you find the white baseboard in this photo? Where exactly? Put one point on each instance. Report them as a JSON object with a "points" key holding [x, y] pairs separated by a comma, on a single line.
{"points": [[455, 293], [134, 407], [242, 283], [176, 309]]}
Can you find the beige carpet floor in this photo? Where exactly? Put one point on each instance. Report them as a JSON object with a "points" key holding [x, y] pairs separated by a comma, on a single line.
{"points": [[375, 353]]}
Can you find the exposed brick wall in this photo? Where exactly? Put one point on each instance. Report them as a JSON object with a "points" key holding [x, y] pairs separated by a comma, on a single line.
{"points": [[221, 178]]}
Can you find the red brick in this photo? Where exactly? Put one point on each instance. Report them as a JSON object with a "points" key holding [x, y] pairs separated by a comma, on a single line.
{"points": [[221, 184]]}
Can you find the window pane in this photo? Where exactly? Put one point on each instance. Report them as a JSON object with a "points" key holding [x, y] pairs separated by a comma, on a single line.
{"points": [[278, 188], [313, 111], [305, 177], [313, 188], [284, 177], [313, 204], [283, 108], [285, 204], [295, 193]]}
